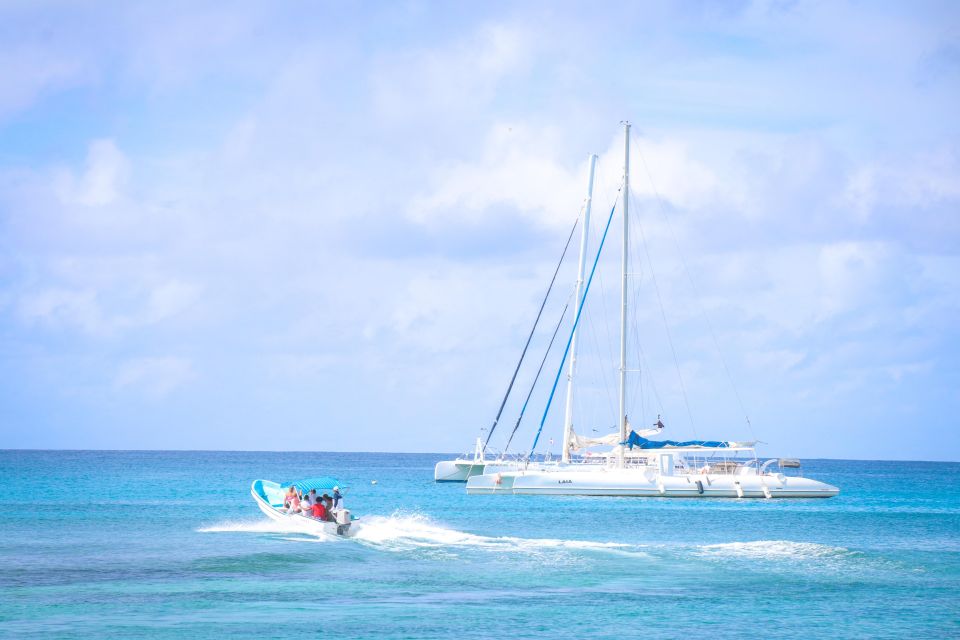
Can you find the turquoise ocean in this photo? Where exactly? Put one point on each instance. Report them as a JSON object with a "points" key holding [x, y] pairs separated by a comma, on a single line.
{"points": [[170, 545]]}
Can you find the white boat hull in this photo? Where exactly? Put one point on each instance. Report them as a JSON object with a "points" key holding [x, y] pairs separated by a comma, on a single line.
{"points": [[457, 470], [463, 470], [647, 483]]}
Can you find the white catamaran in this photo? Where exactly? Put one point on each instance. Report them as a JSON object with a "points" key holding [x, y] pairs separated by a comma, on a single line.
{"points": [[634, 465]]}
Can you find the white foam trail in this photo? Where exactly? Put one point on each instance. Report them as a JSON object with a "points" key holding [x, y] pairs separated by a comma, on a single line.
{"points": [[774, 550], [405, 531], [258, 526]]}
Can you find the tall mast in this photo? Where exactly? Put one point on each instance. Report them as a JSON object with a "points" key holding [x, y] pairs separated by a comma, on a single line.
{"points": [[622, 415], [568, 415]]}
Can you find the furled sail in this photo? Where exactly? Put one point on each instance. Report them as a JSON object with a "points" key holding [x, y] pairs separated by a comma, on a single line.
{"points": [[578, 442], [636, 440]]}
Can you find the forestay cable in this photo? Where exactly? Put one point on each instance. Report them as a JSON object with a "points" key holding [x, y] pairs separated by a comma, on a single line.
{"points": [[576, 321]]}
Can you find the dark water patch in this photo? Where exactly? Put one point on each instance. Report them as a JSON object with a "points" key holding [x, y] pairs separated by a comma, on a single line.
{"points": [[257, 564]]}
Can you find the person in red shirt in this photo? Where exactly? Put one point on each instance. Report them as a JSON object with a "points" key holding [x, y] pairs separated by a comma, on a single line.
{"points": [[318, 511]]}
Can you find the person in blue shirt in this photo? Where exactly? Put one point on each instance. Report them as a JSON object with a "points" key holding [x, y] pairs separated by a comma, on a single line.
{"points": [[337, 498]]}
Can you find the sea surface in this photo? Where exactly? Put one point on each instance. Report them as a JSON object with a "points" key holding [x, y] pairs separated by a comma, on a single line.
{"points": [[171, 545]]}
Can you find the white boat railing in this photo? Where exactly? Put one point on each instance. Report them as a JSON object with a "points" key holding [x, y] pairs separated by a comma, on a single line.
{"points": [[727, 461]]}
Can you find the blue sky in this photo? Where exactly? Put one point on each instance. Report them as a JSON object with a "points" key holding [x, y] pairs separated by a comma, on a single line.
{"points": [[328, 225]]}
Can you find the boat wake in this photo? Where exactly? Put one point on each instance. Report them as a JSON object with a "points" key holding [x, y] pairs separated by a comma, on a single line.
{"points": [[806, 557], [405, 531], [774, 550], [261, 526]]}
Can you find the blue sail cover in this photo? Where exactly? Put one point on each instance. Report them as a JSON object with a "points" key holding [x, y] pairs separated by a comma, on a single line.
{"points": [[636, 440]]}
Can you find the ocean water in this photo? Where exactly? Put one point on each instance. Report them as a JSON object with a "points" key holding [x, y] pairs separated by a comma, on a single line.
{"points": [[170, 545]]}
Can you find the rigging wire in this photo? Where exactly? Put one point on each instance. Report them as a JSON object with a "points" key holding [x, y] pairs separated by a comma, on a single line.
{"points": [[703, 311], [607, 386], [576, 321], [666, 326], [604, 319], [653, 385], [536, 377], [635, 272], [530, 337], [606, 325]]}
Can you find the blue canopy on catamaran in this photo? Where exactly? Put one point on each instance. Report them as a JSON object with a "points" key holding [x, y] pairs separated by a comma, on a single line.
{"points": [[636, 440]]}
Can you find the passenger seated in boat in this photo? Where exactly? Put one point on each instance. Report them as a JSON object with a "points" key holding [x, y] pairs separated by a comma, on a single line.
{"points": [[311, 498], [328, 503], [318, 511], [291, 501]]}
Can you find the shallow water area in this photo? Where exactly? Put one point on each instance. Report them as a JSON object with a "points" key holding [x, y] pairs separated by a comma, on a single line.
{"points": [[170, 544]]}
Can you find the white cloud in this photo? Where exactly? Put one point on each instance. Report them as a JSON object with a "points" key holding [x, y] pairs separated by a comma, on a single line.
{"points": [[61, 307], [155, 376], [518, 168], [167, 299], [119, 306], [850, 274], [299, 367], [456, 76], [29, 72], [106, 172], [924, 180]]}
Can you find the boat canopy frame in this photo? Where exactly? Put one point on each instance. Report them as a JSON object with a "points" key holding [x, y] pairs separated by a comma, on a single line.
{"points": [[322, 483]]}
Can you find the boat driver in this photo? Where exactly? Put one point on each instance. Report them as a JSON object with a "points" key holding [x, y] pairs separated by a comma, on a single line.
{"points": [[337, 498]]}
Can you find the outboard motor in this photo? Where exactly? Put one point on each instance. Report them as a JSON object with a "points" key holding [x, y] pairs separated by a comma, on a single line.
{"points": [[342, 518]]}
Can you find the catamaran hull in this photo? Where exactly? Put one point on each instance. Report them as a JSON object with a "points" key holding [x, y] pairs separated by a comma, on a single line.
{"points": [[299, 522], [646, 483], [463, 470], [457, 470]]}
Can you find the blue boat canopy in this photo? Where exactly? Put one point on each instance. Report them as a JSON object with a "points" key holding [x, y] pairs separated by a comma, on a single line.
{"points": [[324, 483], [636, 440]]}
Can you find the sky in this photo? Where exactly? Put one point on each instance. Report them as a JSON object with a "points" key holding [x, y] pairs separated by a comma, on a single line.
{"points": [[329, 225]]}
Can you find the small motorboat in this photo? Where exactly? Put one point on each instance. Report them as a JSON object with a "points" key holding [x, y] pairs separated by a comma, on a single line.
{"points": [[269, 497]]}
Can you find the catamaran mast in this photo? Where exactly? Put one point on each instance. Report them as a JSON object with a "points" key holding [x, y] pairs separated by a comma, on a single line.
{"points": [[622, 415], [568, 415]]}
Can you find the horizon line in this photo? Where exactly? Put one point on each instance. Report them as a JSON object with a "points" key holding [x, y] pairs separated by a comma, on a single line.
{"points": [[437, 453]]}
